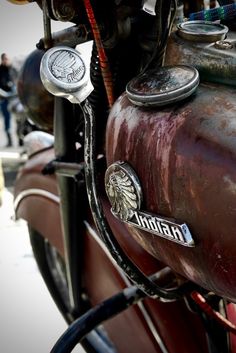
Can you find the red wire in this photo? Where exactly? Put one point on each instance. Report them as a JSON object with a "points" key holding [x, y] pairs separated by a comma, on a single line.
{"points": [[201, 302], [105, 69]]}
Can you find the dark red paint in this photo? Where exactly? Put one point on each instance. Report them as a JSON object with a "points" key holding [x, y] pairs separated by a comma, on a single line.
{"points": [[185, 158]]}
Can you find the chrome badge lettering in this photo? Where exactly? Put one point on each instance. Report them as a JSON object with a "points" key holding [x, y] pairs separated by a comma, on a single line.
{"points": [[178, 233], [125, 195]]}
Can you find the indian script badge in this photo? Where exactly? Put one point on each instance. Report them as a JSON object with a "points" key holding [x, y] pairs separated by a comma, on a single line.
{"points": [[125, 195]]}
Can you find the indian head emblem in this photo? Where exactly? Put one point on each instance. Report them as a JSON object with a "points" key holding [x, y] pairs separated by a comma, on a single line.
{"points": [[122, 195], [123, 190], [125, 195], [66, 66]]}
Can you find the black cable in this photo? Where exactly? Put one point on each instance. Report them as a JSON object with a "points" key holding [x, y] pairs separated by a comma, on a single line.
{"points": [[95, 316]]}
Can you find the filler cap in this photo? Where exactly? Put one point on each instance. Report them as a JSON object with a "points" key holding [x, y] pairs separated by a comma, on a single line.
{"points": [[163, 86], [202, 31]]}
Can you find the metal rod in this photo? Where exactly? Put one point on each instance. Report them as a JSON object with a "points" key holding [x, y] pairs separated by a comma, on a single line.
{"points": [[66, 168], [71, 200], [71, 36], [46, 26]]}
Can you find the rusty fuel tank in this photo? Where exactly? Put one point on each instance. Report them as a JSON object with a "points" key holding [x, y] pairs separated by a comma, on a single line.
{"points": [[184, 156], [208, 46]]}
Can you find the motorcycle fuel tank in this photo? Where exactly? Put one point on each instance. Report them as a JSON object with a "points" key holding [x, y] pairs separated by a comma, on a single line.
{"points": [[183, 159]]}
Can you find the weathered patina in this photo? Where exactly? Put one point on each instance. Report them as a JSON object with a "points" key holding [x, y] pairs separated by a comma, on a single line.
{"points": [[184, 157]]}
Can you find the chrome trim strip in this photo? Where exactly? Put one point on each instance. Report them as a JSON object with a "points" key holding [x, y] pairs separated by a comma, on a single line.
{"points": [[34, 192], [141, 305], [152, 327], [103, 247]]}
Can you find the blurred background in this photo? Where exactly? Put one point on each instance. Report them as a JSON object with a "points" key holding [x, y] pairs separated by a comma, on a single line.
{"points": [[21, 27], [29, 320]]}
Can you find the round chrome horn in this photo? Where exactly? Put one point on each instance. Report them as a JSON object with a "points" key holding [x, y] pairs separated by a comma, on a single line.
{"points": [[64, 73]]}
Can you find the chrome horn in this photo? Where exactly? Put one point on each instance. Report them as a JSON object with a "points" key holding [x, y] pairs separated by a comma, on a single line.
{"points": [[64, 73]]}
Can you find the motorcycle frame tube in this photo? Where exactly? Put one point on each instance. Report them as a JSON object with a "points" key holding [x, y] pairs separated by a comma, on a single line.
{"points": [[46, 26], [72, 223], [70, 205]]}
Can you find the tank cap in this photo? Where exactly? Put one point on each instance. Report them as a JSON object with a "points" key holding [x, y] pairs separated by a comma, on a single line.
{"points": [[162, 86], [202, 31]]}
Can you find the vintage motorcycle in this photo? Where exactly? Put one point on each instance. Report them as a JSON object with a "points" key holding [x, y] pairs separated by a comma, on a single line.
{"points": [[130, 194]]}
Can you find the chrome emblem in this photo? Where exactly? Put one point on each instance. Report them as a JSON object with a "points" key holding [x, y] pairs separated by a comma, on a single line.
{"points": [[65, 73], [123, 190], [125, 195], [66, 66]]}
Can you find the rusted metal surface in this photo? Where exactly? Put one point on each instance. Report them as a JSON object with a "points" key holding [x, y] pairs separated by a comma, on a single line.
{"points": [[214, 64], [185, 159]]}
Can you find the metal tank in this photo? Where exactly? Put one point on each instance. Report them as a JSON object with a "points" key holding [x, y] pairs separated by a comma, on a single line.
{"points": [[173, 166], [208, 46]]}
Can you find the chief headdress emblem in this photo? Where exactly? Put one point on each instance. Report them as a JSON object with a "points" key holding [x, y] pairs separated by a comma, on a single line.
{"points": [[66, 66], [122, 194]]}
